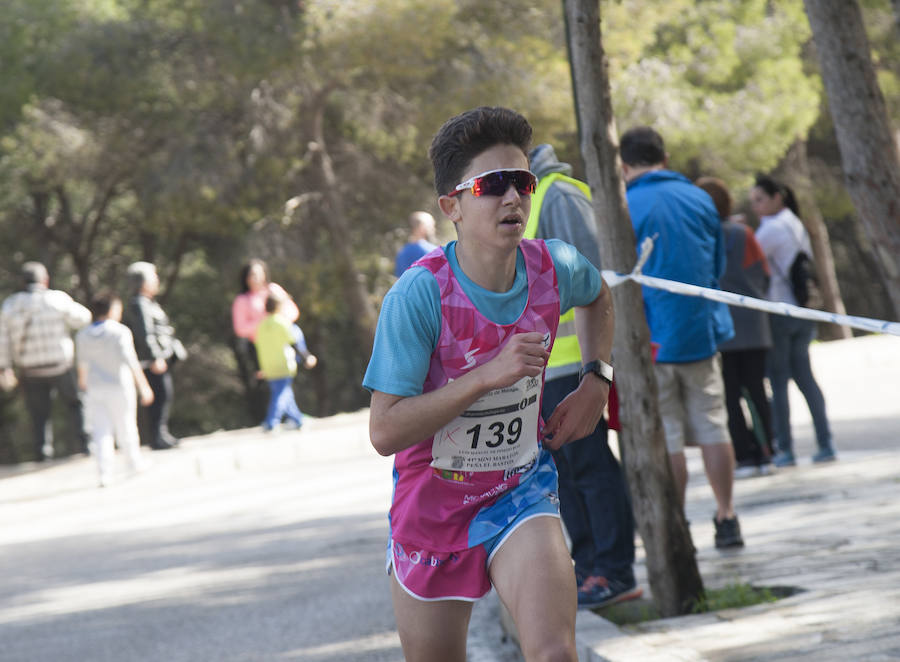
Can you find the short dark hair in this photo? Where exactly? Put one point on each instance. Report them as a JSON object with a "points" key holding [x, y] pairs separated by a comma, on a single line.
{"points": [[719, 193], [467, 135], [771, 186], [101, 304], [34, 272], [273, 301], [642, 146]]}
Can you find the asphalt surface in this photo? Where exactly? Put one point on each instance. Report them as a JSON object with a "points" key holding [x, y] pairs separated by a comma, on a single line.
{"points": [[239, 546]]}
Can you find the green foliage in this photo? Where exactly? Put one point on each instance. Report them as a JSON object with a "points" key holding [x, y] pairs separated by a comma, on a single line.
{"points": [[722, 80], [200, 133]]}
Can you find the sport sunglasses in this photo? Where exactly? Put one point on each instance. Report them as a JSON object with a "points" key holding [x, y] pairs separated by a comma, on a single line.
{"points": [[497, 182]]}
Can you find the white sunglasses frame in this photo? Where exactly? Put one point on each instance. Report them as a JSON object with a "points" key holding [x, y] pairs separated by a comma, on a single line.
{"points": [[469, 183]]}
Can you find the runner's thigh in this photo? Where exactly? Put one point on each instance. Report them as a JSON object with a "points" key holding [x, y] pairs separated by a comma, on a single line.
{"points": [[534, 577], [430, 631]]}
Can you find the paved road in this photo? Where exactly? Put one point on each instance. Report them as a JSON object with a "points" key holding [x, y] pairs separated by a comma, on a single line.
{"points": [[245, 547], [238, 547]]}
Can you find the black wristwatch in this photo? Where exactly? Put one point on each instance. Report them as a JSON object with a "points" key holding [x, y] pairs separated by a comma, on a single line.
{"points": [[600, 368]]}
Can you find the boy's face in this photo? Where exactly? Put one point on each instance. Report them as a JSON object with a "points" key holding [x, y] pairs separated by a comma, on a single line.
{"points": [[490, 221]]}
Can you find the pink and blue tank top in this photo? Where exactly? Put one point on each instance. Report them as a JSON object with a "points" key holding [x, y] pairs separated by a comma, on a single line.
{"points": [[465, 484]]}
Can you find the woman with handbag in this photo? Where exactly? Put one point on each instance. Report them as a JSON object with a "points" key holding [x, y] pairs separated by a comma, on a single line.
{"points": [[782, 237]]}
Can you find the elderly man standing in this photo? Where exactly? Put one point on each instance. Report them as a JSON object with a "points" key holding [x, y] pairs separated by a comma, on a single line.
{"points": [[689, 248], [36, 327], [157, 349]]}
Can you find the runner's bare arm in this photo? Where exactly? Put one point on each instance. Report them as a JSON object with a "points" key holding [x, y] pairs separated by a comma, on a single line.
{"points": [[397, 422], [578, 414]]}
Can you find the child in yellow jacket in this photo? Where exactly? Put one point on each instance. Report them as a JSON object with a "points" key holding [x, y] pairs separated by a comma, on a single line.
{"points": [[277, 344]]}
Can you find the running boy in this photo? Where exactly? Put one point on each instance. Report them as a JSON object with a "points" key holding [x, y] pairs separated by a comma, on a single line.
{"points": [[456, 377], [108, 370], [278, 342]]}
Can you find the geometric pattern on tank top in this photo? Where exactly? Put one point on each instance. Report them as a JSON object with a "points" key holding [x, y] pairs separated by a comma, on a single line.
{"points": [[447, 510]]}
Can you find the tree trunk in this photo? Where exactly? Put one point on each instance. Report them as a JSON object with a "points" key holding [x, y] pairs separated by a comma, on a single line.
{"points": [[339, 231], [869, 155], [671, 563], [794, 170]]}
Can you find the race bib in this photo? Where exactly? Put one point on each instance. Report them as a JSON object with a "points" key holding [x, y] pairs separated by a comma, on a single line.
{"points": [[498, 432]]}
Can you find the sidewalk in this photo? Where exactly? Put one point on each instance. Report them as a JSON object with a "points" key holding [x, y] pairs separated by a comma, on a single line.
{"points": [[831, 532], [221, 453]]}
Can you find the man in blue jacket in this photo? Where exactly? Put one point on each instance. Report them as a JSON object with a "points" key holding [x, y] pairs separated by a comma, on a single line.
{"points": [[689, 248]]}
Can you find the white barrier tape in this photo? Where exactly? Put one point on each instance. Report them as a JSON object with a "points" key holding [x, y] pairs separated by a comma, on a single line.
{"points": [[866, 324]]}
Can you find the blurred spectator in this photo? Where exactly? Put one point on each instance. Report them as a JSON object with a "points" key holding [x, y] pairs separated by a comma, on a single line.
{"points": [[247, 311], [278, 342], [157, 349], [36, 328], [689, 249], [744, 356], [108, 370], [782, 237], [421, 241], [593, 498]]}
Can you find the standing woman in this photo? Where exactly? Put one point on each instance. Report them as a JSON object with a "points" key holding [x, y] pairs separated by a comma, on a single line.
{"points": [[782, 236], [744, 356], [247, 311]]}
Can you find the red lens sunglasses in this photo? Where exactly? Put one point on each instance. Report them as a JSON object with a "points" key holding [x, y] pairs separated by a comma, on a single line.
{"points": [[497, 182]]}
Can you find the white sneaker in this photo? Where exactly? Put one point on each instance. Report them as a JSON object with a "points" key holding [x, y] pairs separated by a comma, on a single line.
{"points": [[766, 469], [748, 471], [140, 467]]}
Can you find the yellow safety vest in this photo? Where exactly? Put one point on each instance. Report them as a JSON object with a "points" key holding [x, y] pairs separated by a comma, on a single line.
{"points": [[565, 348]]}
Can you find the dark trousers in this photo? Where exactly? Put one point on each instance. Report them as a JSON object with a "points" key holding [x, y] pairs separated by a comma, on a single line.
{"points": [[743, 372], [153, 421], [593, 499], [789, 359], [256, 389], [38, 393]]}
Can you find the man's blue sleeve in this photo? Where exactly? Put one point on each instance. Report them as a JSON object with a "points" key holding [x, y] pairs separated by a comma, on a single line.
{"points": [[409, 326]]}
